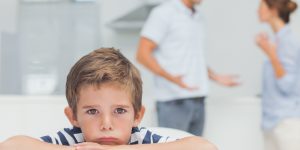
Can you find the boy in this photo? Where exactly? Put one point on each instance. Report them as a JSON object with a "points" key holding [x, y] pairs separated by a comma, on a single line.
{"points": [[104, 93]]}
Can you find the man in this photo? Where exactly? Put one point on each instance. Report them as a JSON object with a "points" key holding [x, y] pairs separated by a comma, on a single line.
{"points": [[172, 47]]}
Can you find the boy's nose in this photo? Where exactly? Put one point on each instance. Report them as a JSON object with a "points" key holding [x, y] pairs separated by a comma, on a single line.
{"points": [[106, 123]]}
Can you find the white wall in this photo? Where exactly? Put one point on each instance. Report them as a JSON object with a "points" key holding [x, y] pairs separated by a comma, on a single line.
{"points": [[31, 115], [232, 26], [8, 18], [8, 15]]}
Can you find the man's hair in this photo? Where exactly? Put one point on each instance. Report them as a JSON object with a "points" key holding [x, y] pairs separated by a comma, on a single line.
{"points": [[104, 65]]}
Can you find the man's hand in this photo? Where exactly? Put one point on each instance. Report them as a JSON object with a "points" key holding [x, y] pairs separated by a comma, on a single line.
{"points": [[178, 81], [227, 80]]}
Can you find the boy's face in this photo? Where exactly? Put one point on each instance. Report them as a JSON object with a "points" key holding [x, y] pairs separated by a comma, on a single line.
{"points": [[105, 115]]}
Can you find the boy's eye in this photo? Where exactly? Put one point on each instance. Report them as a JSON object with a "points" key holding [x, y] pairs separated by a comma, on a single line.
{"points": [[92, 111], [120, 111]]}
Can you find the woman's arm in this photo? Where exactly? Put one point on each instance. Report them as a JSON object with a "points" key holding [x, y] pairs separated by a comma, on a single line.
{"points": [[277, 66], [270, 50]]}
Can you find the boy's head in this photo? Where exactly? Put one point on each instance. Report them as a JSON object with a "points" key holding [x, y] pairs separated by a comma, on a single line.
{"points": [[104, 93], [104, 65]]}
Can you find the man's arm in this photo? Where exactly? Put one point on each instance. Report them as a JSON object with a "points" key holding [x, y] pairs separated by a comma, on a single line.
{"points": [[188, 143], [145, 57], [28, 143]]}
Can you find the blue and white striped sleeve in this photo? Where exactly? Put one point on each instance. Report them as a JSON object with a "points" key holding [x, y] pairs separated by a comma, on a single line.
{"points": [[145, 136], [67, 136]]}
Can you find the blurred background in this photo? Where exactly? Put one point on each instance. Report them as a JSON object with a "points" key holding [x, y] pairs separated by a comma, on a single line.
{"points": [[41, 39]]}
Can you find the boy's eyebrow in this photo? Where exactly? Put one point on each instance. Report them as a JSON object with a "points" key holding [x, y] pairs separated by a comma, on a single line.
{"points": [[95, 106], [123, 106], [90, 106]]}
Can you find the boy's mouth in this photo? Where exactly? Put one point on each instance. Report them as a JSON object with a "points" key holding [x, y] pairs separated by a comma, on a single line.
{"points": [[108, 141]]}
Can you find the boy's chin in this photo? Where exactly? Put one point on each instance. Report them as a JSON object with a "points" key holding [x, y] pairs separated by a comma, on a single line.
{"points": [[108, 141]]}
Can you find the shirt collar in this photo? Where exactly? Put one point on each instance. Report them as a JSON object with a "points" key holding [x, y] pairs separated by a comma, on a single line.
{"points": [[283, 31], [180, 5]]}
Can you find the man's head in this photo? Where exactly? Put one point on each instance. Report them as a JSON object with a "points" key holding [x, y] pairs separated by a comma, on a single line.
{"points": [[191, 3], [104, 93]]}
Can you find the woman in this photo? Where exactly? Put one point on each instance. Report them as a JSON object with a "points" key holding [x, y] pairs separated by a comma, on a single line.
{"points": [[281, 77]]}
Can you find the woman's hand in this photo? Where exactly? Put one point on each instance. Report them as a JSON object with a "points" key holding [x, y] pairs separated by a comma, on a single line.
{"points": [[264, 43]]}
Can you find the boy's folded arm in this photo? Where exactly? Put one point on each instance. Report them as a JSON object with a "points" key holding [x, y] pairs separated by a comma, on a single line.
{"points": [[188, 143], [28, 143]]}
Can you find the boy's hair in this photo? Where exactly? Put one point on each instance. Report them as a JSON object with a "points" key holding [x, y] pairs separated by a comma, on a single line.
{"points": [[104, 65]]}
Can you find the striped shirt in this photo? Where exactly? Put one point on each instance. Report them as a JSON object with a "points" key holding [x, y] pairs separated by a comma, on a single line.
{"points": [[71, 136]]}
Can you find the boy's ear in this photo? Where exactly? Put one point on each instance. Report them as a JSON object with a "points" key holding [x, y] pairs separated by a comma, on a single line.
{"points": [[139, 116], [71, 116]]}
